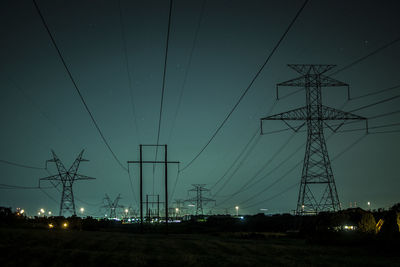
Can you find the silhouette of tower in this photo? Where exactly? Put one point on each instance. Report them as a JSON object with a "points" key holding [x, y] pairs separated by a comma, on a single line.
{"points": [[112, 206], [199, 199], [67, 179], [317, 187]]}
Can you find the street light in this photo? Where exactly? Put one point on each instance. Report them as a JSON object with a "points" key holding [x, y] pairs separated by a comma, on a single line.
{"points": [[369, 204], [49, 213], [42, 210], [237, 210]]}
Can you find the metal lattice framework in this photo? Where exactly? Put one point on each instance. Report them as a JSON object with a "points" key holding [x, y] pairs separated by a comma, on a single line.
{"points": [[67, 179], [317, 188], [199, 199], [112, 206]]}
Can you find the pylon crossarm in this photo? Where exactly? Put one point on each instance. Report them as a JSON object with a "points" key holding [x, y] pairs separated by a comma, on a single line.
{"points": [[299, 82], [315, 68], [295, 114], [330, 114], [326, 81], [83, 177], [60, 166], [75, 166], [50, 178]]}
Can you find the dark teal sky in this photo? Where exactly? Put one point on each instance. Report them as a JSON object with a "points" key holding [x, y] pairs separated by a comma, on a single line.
{"points": [[40, 109]]}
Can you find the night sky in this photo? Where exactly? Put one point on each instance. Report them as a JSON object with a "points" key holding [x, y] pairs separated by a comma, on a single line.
{"points": [[215, 49]]}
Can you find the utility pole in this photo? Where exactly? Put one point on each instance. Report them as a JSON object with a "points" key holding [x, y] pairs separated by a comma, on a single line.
{"points": [[165, 162], [151, 203], [112, 206], [317, 188], [67, 179], [199, 199]]}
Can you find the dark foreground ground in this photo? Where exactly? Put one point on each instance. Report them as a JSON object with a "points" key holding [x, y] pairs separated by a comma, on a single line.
{"points": [[41, 247]]}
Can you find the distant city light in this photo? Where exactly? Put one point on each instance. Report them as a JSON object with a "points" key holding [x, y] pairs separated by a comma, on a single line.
{"points": [[126, 210], [65, 225], [237, 210], [349, 227], [49, 212], [82, 209], [42, 210]]}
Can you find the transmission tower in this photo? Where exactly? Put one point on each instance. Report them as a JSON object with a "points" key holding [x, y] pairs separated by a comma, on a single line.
{"points": [[67, 179], [112, 206], [317, 188], [199, 199]]}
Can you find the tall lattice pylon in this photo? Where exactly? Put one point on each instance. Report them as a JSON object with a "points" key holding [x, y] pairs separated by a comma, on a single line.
{"points": [[112, 206], [67, 179], [317, 187], [199, 199]]}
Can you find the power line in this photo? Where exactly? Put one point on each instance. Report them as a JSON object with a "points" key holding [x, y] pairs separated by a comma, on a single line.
{"points": [[176, 182], [246, 186], [20, 165], [8, 186], [187, 68], [240, 164], [163, 84], [298, 164], [376, 103], [269, 173], [383, 132], [374, 127], [236, 160], [48, 195], [249, 86], [274, 196], [128, 70], [366, 56], [242, 151], [75, 85], [377, 92]]}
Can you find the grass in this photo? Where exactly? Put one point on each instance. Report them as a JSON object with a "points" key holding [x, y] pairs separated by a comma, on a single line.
{"points": [[41, 247]]}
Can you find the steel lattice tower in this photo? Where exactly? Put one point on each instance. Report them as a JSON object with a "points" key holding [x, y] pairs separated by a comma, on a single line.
{"points": [[317, 187], [112, 206], [199, 199], [67, 179]]}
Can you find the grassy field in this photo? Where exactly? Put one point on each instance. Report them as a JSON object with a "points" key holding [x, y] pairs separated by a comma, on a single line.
{"points": [[41, 247]]}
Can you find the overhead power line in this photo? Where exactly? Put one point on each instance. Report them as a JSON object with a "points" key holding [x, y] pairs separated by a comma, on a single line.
{"points": [[249, 86], [163, 86], [128, 69], [294, 167], [75, 85], [377, 92], [164, 73], [366, 56], [20, 165], [376, 103], [189, 64]]}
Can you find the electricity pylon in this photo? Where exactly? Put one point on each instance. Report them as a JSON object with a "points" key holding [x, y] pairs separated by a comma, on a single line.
{"points": [[199, 199], [317, 188], [112, 206], [67, 179]]}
